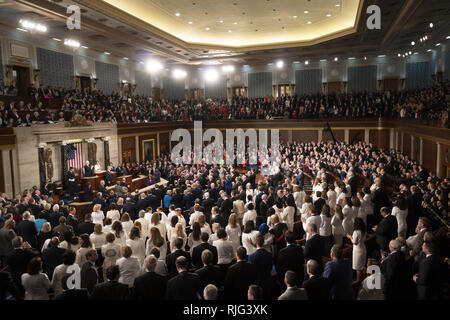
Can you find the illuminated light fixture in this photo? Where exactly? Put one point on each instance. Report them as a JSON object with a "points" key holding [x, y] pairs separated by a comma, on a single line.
{"points": [[280, 64], [399, 55], [336, 59], [190, 22], [438, 44], [72, 43], [141, 62], [381, 56], [328, 14], [221, 21], [429, 50], [296, 62], [107, 53], [230, 30], [413, 43], [431, 25], [29, 25], [421, 39], [406, 53], [323, 60], [177, 14], [211, 75], [84, 47], [295, 17], [403, 55], [124, 81], [207, 28], [306, 62], [410, 53], [235, 23], [154, 66], [448, 37], [228, 68], [125, 58], [179, 74], [338, 5], [416, 53], [306, 11], [365, 58], [425, 38], [309, 22], [56, 39], [351, 58], [23, 30]]}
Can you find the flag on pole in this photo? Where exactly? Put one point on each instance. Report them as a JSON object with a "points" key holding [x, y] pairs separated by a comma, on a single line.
{"points": [[74, 152]]}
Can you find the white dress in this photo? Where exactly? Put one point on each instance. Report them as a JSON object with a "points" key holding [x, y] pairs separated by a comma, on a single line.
{"points": [[114, 215], [337, 230], [331, 195], [325, 226], [98, 240], [347, 223], [401, 220], [162, 250], [249, 215], [287, 216], [138, 247], [252, 236], [97, 217], [193, 243], [234, 235], [129, 270], [299, 198], [127, 225], [36, 286], [359, 250], [111, 252]]}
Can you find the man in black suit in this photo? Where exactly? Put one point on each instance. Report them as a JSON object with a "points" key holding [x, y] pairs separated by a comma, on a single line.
{"points": [[8, 287], [197, 251], [108, 177], [394, 270], [171, 258], [216, 217], [262, 259], [433, 273], [319, 203], [102, 188], [290, 258], [87, 226], [112, 289], [317, 287], [89, 274], [17, 260], [129, 207], [72, 219], [88, 170], [71, 181], [239, 277], [27, 229], [150, 279], [263, 206], [186, 285], [386, 230], [380, 199], [52, 257], [314, 247], [210, 273], [226, 207], [207, 205]]}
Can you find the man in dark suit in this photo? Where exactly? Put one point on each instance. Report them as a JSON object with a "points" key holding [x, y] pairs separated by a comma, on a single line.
{"points": [[150, 279], [386, 230], [197, 251], [315, 245], [263, 206], [262, 259], [87, 226], [239, 277], [209, 274], [27, 229], [171, 258], [394, 270], [17, 260], [88, 170], [290, 258], [380, 199], [62, 228], [226, 207], [71, 182], [317, 287], [112, 289], [72, 219], [216, 217], [108, 177], [339, 273], [52, 257], [89, 274], [8, 287], [128, 206], [319, 203], [186, 285], [433, 273]]}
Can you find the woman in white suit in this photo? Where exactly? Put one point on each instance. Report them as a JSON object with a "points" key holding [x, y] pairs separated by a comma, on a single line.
{"points": [[137, 244], [35, 282], [287, 215], [336, 226], [225, 250], [194, 238], [111, 252], [119, 235], [359, 248], [97, 214], [129, 266], [156, 241], [299, 196], [332, 197], [347, 212], [234, 231], [400, 211], [342, 196]]}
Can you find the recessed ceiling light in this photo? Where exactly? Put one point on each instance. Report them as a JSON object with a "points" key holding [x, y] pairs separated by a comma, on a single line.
{"points": [[416, 53], [190, 22], [338, 5], [72, 43], [406, 53], [221, 21], [431, 25], [107, 52], [306, 62], [84, 47], [230, 30], [399, 55], [438, 44], [207, 28], [235, 23], [365, 58], [429, 50], [413, 43], [351, 58], [295, 17], [328, 14], [410, 53], [56, 39], [125, 58], [23, 30], [336, 59], [448, 37], [177, 14], [296, 61], [309, 22], [306, 11], [323, 60], [403, 55], [381, 56], [280, 64]]}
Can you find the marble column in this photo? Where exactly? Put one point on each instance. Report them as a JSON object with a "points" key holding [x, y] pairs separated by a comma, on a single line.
{"points": [[366, 136], [438, 160], [346, 136], [106, 151], [421, 151], [319, 135], [64, 167], [42, 172]]}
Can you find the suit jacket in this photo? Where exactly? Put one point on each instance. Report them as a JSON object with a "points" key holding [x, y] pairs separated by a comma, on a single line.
{"points": [[386, 231], [318, 288], [86, 227], [27, 230], [263, 207], [218, 218], [111, 290], [262, 259], [89, 276], [7, 286], [340, 275], [61, 229], [290, 258], [17, 260], [184, 286], [225, 208], [73, 222], [432, 276], [197, 254], [156, 282], [210, 274], [88, 171], [238, 278], [314, 248], [294, 293], [171, 258], [51, 257], [394, 271]]}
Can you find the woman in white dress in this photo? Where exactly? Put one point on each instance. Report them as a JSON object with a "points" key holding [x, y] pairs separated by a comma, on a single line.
{"points": [[332, 197], [249, 191], [313, 218], [119, 234], [359, 248], [129, 266], [98, 237], [127, 223], [287, 215], [363, 209], [342, 196], [156, 241], [225, 249], [400, 211], [306, 210], [156, 222], [325, 226], [97, 214], [97, 166], [194, 238], [137, 244], [110, 251], [299, 196], [234, 231], [35, 282], [356, 206], [113, 213], [70, 242], [86, 246], [336, 226], [249, 237], [178, 233], [347, 212], [250, 214], [204, 226]]}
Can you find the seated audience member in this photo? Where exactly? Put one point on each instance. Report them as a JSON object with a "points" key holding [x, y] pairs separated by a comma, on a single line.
{"points": [[150, 279], [112, 289], [292, 292], [339, 273], [317, 287], [184, 286]]}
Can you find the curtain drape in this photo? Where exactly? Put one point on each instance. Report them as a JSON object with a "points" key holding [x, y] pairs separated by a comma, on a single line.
{"points": [[173, 88], [259, 84], [217, 89], [56, 68], [108, 77], [418, 75], [308, 81], [363, 78]]}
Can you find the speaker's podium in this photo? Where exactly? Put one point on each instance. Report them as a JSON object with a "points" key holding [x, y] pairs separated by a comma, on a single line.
{"points": [[94, 181]]}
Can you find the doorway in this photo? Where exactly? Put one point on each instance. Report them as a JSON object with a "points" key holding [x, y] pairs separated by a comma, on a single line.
{"points": [[85, 83], [21, 75]]}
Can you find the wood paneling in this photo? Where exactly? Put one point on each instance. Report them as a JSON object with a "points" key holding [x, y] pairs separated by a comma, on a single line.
{"points": [[148, 137], [380, 138], [407, 144], [284, 135], [128, 149], [429, 154], [416, 155], [2, 175], [305, 135], [164, 143], [355, 136]]}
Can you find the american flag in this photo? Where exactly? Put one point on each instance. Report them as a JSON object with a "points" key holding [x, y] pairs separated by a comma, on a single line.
{"points": [[74, 152]]}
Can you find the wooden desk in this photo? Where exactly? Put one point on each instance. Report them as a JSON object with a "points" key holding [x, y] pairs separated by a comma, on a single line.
{"points": [[94, 181], [82, 209], [128, 179], [138, 183]]}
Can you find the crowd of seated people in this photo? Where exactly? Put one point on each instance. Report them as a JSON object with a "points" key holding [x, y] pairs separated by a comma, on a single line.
{"points": [[214, 233], [429, 103]]}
